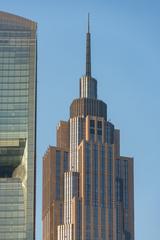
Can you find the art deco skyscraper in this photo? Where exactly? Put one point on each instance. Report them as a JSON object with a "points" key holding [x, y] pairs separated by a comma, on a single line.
{"points": [[93, 199], [17, 127]]}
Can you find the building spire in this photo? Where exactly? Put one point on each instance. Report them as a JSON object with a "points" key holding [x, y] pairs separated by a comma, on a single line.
{"points": [[88, 50], [88, 23], [88, 84]]}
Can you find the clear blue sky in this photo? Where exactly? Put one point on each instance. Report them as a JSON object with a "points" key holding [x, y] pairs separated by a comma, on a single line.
{"points": [[126, 63]]}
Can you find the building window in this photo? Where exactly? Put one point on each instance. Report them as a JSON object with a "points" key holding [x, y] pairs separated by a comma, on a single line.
{"points": [[58, 162], [92, 129], [88, 180], [95, 174], [126, 184], [65, 161], [103, 181], [92, 124], [110, 192], [99, 124], [103, 223], [88, 224], [99, 132], [99, 128]]}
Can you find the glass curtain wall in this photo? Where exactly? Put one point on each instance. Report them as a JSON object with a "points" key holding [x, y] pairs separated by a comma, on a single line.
{"points": [[17, 127]]}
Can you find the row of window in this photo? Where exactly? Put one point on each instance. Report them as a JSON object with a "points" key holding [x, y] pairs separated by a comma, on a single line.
{"points": [[14, 106], [6, 121], [14, 86], [14, 79], [92, 124], [15, 73], [11, 214]]}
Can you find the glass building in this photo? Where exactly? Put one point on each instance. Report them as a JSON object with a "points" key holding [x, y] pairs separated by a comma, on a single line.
{"points": [[97, 188], [18, 66]]}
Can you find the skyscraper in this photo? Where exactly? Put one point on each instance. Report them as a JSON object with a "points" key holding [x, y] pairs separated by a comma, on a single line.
{"points": [[18, 75], [92, 197]]}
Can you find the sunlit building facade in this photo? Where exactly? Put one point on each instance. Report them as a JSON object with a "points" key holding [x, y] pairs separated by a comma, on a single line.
{"points": [[97, 201], [18, 66]]}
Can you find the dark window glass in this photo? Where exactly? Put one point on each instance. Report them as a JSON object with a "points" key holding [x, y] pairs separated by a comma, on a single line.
{"points": [[92, 131], [103, 181], [88, 182], [92, 123], [99, 124], [58, 161], [65, 161], [99, 132]]}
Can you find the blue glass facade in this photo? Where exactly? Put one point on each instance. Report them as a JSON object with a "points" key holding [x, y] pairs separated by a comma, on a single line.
{"points": [[18, 123]]}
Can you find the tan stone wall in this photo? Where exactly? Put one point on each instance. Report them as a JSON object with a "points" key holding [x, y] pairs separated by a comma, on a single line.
{"points": [[52, 212], [63, 134]]}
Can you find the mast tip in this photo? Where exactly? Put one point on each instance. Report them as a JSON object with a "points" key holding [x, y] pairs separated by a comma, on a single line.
{"points": [[88, 22]]}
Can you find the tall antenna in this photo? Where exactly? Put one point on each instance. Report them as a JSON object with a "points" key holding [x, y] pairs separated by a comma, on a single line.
{"points": [[88, 23], [88, 49]]}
